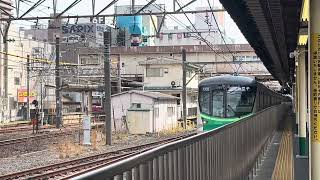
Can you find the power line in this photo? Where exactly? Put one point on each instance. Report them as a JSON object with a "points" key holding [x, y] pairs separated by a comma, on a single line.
{"points": [[214, 17], [203, 39]]}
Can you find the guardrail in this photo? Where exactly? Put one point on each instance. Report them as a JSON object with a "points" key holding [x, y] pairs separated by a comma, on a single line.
{"points": [[230, 152]]}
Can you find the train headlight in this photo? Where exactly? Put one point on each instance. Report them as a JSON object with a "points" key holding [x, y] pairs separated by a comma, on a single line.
{"points": [[205, 122]]}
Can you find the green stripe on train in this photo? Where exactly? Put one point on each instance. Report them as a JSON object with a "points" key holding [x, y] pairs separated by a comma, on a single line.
{"points": [[215, 122]]}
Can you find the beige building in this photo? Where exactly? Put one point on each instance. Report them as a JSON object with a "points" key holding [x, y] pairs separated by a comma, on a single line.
{"points": [[13, 107]]}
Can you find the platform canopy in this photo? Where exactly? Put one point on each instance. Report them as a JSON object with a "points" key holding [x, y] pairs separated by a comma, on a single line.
{"points": [[271, 27]]}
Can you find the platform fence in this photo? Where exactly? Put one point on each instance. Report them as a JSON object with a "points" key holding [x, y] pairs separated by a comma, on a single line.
{"points": [[230, 152]]}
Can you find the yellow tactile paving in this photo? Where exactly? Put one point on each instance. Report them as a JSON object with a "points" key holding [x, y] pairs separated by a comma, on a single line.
{"points": [[283, 169]]}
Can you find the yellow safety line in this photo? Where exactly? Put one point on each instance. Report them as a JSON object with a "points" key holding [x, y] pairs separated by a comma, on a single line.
{"points": [[283, 169]]}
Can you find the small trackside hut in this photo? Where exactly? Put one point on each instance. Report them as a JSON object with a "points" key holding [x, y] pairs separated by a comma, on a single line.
{"points": [[144, 112]]}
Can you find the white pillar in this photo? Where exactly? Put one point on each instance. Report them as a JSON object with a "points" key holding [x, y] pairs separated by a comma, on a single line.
{"points": [[297, 95], [302, 100], [314, 59]]}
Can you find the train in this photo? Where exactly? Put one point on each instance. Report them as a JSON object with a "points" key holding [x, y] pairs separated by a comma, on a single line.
{"points": [[228, 98]]}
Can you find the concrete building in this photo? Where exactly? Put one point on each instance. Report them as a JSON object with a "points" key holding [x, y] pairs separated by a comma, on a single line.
{"points": [[205, 25], [242, 60], [14, 106], [165, 75], [144, 111]]}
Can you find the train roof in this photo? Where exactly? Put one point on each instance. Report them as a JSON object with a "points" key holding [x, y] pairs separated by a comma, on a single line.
{"points": [[230, 80]]}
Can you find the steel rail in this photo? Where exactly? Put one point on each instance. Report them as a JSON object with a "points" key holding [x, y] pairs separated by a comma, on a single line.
{"points": [[85, 164]]}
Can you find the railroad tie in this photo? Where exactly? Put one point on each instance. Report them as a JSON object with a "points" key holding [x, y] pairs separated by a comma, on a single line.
{"points": [[283, 169]]}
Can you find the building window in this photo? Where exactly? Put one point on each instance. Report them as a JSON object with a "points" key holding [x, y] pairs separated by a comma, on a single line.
{"points": [[170, 111], [178, 100], [145, 39], [17, 81], [246, 58], [192, 111], [12, 103], [89, 60], [156, 112], [255, 58], [139, 105], [154, 72]]}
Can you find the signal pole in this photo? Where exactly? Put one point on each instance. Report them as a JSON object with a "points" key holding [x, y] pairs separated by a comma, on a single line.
{"points": [[107, 87], [58, 84]]}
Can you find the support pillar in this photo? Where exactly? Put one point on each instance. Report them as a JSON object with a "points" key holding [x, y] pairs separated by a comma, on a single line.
{"points": [[90, 102], [297, 97], [314, 59], [302, 96]]}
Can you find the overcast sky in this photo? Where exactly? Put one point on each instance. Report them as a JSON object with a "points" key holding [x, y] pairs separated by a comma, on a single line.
{"points": [[84, 7]]}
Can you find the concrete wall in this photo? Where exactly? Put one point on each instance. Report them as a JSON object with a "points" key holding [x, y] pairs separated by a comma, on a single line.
{"points": [[174, 74]]}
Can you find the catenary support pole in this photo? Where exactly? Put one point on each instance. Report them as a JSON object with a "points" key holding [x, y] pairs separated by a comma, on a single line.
{"points": [[28, 87], [107, 87], [184, 88], [5, 62], [119, 74], [302, 83], [58, 84], [314, 59], [41, 100]]}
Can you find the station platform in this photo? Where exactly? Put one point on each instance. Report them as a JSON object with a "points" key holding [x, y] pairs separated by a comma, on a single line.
{"points": [[281, 161]]}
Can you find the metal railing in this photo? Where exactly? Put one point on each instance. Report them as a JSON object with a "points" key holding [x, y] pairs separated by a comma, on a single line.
{"points": [[230, 152]]}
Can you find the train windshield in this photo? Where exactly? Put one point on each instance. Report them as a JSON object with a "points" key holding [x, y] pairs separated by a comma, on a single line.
{"points": [[204, 100], [217, 103], [240, 101], [227, 101]]}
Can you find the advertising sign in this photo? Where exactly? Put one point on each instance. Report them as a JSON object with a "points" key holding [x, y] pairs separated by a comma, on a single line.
{"points": [[23, 95]]}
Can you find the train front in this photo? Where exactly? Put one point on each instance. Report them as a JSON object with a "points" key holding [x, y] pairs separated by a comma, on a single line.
{"points": [[225, 99]]}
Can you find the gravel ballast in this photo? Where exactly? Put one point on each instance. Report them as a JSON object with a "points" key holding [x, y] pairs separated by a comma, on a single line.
{"points": [[69, 148]]}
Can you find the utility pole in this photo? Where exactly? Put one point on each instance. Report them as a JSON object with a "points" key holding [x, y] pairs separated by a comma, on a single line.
{"points": [[5, 64], [107, 87], [132, 6], [58, 84], [184, 88], [41, 99], [119, 74], [28, 87]]}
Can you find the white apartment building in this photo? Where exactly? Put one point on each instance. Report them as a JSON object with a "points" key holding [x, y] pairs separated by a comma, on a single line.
{"points": [[14, 105]]}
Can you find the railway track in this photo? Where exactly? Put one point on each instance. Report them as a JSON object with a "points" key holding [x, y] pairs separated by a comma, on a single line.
{"points": [[34, 137], [13, 129], [72, 168]]}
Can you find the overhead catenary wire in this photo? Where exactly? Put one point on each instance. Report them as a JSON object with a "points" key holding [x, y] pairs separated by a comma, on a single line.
{"points": [[203, 39], [220, 32], [180, 22]]}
